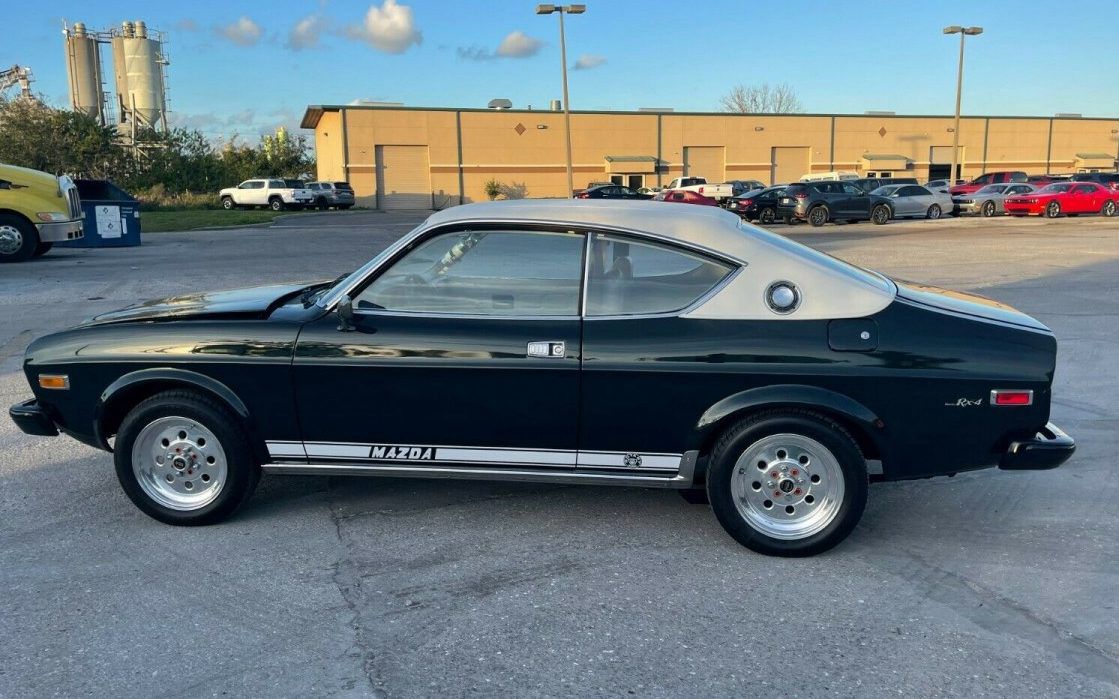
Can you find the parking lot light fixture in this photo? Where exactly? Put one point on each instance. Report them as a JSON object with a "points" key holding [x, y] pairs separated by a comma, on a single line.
{"points": [[963, 32], [561, 10]]}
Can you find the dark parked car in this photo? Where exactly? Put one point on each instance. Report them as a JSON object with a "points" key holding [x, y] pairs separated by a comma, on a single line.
{"points": [[595, 342], [820, 202], [759, 205], [740, 187], [611, 191], [869, 184], [1107, 179]]}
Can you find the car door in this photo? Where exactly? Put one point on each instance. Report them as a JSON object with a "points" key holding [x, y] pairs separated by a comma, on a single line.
{"points": [[1082, 199], [917, 200], [466, 350], [856, 202], [647, 372]]}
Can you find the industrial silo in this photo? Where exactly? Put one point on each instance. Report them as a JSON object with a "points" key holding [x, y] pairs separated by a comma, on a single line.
{"points": [[83, 70], [138, 74]]}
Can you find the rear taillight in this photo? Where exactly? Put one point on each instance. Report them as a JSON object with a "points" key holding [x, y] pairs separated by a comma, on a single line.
{"points": [[801, 195], [582, 195], [1011, 397]]}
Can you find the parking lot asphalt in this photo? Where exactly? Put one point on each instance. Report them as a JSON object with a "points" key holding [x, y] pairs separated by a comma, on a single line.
{"points": [[986, 584]]}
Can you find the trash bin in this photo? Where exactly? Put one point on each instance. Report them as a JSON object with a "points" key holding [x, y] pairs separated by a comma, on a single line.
{"points": [[112, 216]]}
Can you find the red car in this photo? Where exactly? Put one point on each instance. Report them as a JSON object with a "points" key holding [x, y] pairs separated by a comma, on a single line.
{"points": [[989, 178], [1070, 198], [686, 196]]}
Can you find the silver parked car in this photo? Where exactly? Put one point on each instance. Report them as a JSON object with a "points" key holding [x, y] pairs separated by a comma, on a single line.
{"points": [[327, 194], [987, 201], [913, 200]]}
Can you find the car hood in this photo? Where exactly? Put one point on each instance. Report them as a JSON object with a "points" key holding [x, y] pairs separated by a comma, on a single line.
{"points": [[966, 304], [253, 302]]}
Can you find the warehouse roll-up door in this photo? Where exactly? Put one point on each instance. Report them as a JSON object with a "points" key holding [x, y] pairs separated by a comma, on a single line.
{"points": [[705, 161], [789, 164], [403, 177]]}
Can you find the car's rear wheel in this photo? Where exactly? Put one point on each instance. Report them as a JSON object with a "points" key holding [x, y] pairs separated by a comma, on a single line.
{"points": [[184, 459], [988, 209], [767, 216], [1053, 210], [880, 215], [1108, 208], [18, 239], [321, 203], [818, 216], [276, 204], [933, 212], [787, 482], [227, 203]]}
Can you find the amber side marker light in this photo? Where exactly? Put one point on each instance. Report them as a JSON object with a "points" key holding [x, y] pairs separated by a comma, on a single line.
{"points": [[57, 382], [1008, 398]]}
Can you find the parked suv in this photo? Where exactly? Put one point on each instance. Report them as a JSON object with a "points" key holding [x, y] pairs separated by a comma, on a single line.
{"points": [[989, 178], [869, 184], [340, 195], [1107, 179], [820, 202]]}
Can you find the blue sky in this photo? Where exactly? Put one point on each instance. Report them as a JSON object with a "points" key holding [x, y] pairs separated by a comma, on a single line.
{"points": [[238, 67]]}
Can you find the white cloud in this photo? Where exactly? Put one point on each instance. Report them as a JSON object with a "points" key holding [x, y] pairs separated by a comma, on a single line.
{"points": [[388, 28], [243, 32], [588, 61], [186, 25], [306, 32], [518, 45]]}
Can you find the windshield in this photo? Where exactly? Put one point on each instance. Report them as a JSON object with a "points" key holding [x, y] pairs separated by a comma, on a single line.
{"points": [[335, 290], [993, 189], [886, 190], [1054, 188]]}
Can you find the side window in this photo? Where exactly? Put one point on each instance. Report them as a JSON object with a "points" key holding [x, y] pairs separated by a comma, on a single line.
{"points": [[1085, 189], [984, 179], [1017, 177], [256, 184], [850, 188], [276, 184], [492, 273], [627, 277]]}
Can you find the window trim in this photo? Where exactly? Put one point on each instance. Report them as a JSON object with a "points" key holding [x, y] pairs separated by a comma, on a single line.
{"points": [[402, 246]]}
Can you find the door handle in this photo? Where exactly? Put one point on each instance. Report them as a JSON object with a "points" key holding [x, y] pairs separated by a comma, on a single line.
{"points": [[544, 349]]}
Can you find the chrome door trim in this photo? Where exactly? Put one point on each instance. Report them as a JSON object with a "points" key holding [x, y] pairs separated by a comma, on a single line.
{"points": [[476, 473]]}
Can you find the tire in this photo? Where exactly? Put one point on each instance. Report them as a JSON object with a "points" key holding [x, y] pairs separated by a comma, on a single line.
{"points": [[767, 216], [988, 209], [1108, 209], [695, 496], [321, 203], [276, 204], [203, 490], [818, 215], [880, 215], [42, 249], [780, 447], [933, 212], [227, 203], [18, 239], [1052, 209]]}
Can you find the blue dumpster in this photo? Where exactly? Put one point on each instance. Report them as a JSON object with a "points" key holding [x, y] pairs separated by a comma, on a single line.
{"points": [[112, 216]]}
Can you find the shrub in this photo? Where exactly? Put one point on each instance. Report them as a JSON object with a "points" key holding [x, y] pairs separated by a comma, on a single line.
{"points": [[492, 189]]}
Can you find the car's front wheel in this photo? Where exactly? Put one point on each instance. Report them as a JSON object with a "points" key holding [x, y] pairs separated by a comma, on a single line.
{"points": [[880, 215], [933, 212], [184, 459], [988, 209], [787, 482], [18, 239], [227, 203]]}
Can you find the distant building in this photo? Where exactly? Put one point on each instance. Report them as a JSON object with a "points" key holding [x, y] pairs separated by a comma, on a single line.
{"points": [[420, 158]]}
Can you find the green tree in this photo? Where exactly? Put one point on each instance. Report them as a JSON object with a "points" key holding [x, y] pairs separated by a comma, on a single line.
{"points": [[58, 141]]}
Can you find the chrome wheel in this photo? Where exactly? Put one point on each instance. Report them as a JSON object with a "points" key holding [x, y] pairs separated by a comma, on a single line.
{"points": [[787, 486], [179, 463], [11, 240], [989, 208], [934, 211], [1053, 210], [1109, 208]]}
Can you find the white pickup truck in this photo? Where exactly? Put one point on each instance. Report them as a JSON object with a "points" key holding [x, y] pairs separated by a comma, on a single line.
{"points": [[699, 185], [274, 193]]}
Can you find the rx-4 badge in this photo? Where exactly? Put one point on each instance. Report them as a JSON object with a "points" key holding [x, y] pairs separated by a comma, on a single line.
{"points": [[964, 403], [382, 451]]}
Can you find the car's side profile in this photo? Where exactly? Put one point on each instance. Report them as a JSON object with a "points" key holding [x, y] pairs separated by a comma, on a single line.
{"points": [[915, 201], [839, 200], [1068, 198], [988, 201], [594, 342]]}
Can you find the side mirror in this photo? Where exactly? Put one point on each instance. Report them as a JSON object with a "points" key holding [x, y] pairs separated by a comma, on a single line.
{"points": [[345, 314]]}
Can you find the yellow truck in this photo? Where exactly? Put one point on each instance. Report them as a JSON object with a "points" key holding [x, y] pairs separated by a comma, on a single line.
{"points": [[37, 210]]}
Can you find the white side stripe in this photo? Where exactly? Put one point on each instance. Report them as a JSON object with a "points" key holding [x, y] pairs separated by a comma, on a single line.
{"points": [[505, 456], [286, 449], [356, 451]]}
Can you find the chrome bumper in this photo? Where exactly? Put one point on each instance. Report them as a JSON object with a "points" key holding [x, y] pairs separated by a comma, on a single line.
{"points": [[59, 232]]}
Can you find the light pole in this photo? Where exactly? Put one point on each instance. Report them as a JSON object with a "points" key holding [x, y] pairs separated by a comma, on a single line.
{"points": [[562, 10], [963, 32]]}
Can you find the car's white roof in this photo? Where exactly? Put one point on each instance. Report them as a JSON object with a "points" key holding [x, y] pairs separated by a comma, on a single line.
{"points": [[829, 287]]}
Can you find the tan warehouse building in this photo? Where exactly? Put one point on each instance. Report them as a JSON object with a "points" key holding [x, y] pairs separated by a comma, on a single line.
{"points": [[422, 158]]}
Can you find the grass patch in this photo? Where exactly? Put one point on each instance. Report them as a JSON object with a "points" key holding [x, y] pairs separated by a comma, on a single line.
{"points": [[191, 219]]}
